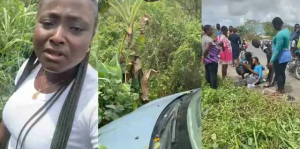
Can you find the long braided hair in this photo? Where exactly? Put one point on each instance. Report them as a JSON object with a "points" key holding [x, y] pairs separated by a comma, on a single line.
{"points": [[67, 114]]}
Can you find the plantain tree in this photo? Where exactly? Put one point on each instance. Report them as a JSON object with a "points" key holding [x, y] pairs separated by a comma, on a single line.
{"points": [[131, 46]]}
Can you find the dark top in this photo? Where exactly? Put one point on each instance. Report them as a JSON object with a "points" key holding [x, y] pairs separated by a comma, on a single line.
{"points": [[235, 40]]}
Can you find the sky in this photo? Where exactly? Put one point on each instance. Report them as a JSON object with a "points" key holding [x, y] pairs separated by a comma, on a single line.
{"points": [[236, 12]]}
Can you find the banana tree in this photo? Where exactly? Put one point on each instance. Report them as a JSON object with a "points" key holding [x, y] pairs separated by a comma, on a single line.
{"points": [[130, 60]]}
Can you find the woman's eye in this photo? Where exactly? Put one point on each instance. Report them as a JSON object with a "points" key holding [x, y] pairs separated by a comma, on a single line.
{"points": [[47, 24], [77, 29]]}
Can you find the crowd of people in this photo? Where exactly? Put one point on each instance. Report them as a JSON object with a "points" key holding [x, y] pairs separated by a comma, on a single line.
{"points": [[226, 48]]}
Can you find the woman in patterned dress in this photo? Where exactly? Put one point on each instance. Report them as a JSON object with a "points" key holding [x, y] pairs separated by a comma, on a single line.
{"points": [[226, 50]]}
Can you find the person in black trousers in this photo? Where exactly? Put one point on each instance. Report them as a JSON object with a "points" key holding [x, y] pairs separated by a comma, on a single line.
{"points": [[210, 57]]}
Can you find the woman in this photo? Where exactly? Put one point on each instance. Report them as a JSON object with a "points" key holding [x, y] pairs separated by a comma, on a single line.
{"points": [[235, 41], [281, 54], [245, 66], [210, 56], [226, 51], [56, 89], [257, 78], [230, 31]]}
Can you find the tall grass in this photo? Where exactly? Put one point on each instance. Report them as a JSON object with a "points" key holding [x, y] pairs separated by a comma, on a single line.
{"points": [[16, 29]]}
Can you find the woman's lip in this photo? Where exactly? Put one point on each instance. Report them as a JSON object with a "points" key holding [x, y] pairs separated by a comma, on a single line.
{"points": [[53, 56], [52, 51]]}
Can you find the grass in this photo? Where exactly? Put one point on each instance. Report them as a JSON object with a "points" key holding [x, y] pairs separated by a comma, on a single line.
{"points": [[235, 117]]}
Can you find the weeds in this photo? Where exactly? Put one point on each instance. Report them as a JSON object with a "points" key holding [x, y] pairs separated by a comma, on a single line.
{"points": [[235, 117]]}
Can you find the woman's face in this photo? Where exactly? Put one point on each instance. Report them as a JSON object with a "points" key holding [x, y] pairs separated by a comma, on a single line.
{"points": [[253, 61], [209, 32], [277, 27], [225, 32], [63, 33]]}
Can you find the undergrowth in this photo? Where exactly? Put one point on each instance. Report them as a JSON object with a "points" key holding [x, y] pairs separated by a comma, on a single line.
{"points": [[235, 117]]}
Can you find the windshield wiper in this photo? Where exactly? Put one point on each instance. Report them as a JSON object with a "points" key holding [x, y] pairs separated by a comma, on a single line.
{"points": [[173, 133]]}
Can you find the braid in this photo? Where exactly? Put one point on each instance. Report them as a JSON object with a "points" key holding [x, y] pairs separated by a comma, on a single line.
{"points": [[67, 114], [27, 70]]}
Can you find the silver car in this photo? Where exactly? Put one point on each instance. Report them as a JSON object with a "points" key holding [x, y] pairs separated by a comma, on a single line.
{"points": [[172, 122]]}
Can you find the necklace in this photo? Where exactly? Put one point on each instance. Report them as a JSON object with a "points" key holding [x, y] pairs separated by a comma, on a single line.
{"points": [[35, 95]]}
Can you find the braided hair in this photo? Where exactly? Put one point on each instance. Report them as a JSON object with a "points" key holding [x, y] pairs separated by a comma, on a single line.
{"points": [[67, 114]]}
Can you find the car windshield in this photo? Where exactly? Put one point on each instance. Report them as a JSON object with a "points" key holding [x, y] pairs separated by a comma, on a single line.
{"points": [[179, 124]]}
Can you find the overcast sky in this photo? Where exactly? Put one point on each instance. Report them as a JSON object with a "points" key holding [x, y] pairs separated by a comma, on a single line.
{"points": [[235, 12]]}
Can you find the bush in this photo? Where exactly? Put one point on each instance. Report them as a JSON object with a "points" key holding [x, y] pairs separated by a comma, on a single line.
{"points": [[235, 117], [172, 47]]}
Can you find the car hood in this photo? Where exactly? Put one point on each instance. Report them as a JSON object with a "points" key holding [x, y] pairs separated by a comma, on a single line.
{"points": [[134, 129]]}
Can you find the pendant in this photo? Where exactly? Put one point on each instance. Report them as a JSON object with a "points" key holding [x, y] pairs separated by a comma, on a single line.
{"points": [[35, 95]]}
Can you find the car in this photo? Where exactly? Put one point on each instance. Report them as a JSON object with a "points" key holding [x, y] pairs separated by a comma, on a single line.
{"points": [[172, 122]]}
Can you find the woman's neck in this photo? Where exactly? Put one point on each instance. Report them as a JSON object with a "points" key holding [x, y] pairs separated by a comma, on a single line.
{"points": [[57, 77]]}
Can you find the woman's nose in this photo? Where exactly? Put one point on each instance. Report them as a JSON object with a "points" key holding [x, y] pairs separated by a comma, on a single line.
{"points": [[58, 36]]}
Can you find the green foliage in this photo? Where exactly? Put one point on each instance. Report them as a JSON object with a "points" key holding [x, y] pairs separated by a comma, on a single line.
{"points": [[269, 29], [101, 147], [171, 46], [16, 32], [236, 117], [115, 98]]}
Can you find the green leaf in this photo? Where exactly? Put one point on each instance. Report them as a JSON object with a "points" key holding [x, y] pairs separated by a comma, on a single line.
{"points": [[111, 106], [101, 147]]}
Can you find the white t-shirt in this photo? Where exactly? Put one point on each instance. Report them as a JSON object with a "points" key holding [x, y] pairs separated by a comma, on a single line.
{"points": [[20, 107]]}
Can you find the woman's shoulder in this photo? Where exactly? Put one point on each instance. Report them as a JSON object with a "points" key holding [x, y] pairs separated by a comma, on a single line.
{"points": [[20, 71], [91, 74], [90, 86]]}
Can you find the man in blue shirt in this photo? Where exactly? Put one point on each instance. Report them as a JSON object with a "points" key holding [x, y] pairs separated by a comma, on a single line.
{"points": [[218, 29], [294, 40]]}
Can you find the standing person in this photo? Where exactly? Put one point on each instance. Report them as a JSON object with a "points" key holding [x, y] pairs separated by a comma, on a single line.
{"points": [[266, 47], [281, 52], [235, 41], [294, 40], [55, 101], [230, 31], [210, 54], [218, 29], [226, 51]]}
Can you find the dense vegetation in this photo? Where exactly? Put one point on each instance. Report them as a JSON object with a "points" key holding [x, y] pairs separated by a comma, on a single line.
{"points": [[169, 46], [16, 32]]}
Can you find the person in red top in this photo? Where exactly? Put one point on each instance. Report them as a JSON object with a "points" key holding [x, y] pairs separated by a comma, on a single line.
{"points": [[226, 50]]}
